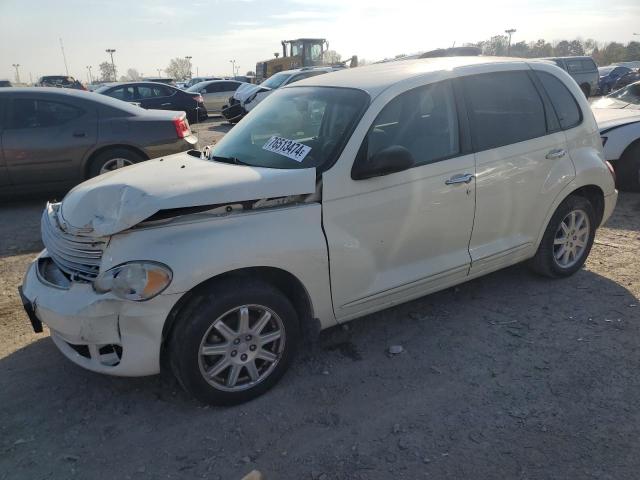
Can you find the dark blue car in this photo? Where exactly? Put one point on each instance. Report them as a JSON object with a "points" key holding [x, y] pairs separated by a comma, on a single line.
{"points": [[609, 76]]}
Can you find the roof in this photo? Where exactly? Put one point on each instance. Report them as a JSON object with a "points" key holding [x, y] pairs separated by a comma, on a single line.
{"points": [[378, 77], [70, 92]]}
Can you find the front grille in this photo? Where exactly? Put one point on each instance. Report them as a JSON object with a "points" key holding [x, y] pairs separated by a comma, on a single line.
{"points": [[76, 255]]}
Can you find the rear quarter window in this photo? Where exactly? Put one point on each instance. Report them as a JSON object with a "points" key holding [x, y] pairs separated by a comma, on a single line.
{"points": [[564, 103]]}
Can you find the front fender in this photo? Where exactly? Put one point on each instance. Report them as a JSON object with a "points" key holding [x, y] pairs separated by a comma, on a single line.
{"points": [[619, 138], [201, 246]]}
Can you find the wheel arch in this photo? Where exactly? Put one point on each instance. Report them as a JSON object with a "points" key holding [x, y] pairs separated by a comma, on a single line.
{"points": [[283, 280], [595, 196], [91, 158]]}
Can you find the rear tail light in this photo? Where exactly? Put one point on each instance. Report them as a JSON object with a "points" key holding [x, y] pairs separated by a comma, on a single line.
{"points": [[182, 127], [611, 170]]}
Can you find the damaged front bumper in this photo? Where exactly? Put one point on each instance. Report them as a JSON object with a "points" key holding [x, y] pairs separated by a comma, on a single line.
{"points": [[234, 113], [96, 331]]}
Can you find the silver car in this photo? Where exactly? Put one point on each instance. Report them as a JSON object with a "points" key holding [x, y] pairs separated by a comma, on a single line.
{"points": [[582, 69], [215, 93]]}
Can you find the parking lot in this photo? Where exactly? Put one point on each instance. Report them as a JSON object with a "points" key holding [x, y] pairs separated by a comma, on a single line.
{"points": [[507, 376]]}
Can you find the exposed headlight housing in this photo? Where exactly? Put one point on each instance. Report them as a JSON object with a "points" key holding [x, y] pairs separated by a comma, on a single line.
{"points": [[137, 281], [251, 98]]}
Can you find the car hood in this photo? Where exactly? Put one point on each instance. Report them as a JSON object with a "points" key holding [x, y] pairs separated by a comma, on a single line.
{"points": [[245, 91], [118, 200], [613, 117], [606, 102]]}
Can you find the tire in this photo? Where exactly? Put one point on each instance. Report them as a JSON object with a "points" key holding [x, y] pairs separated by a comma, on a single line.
{"points": [[628, 169], [585, 89], [198, 325], [100, 164], [546, 261]]}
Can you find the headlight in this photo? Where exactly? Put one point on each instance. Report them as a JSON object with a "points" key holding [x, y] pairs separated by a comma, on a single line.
{"points": [[137, 281], [251, 98]]}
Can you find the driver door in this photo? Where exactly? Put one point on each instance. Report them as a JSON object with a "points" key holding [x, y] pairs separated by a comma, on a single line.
{"points": [[401, 235]]}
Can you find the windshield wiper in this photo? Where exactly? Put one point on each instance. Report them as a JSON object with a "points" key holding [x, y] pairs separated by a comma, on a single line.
{"points": [[232, 160]]}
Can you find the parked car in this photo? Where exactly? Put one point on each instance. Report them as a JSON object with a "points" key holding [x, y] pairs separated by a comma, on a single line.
{"points": [[620, 132], [609, 76], [192, 81], [166, 81], [215, 93], [336, 197], [53, 138], [249, 95], [627, 79], [59, 81], [158, 96], [627, 97], [582, 69], [5, 83]]}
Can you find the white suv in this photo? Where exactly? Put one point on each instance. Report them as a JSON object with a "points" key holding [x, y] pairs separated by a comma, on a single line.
{"points": [[337, 197]]}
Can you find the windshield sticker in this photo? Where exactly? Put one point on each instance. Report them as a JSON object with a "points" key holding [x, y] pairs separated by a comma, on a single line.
{"points": [[289, 148]]}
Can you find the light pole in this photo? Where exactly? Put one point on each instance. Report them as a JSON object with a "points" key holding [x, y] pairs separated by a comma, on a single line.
{"points": [[159, 70], [16, 66], [90, 76], [111, 51], [233, 67], [189, 60], [509, 32]]}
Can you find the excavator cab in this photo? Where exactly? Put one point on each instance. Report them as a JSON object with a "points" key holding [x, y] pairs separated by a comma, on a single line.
{"points": [[309, 51]]}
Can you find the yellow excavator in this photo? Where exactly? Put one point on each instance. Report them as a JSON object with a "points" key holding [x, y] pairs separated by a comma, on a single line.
{"points": [[298, 53]]}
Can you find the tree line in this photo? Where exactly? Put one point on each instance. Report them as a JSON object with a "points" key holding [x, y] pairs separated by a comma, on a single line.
{"points": [[602, 53]]}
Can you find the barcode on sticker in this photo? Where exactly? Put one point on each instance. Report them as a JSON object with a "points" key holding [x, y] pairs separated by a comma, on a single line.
{"points": [[289, 148]]}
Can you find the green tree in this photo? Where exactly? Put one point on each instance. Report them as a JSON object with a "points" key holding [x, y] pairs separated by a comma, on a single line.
{"points": [[562, 49], [576, 48]]}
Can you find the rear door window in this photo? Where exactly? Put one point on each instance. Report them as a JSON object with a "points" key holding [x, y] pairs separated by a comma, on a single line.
{"points": [[503, 108], [564, 103], [214, 87], [28, 113], [127, 94]]}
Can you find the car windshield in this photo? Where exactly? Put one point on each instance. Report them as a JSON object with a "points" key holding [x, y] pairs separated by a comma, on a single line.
{"points": [[605, 70], [276, 80], [296, 127], [630, 94]]}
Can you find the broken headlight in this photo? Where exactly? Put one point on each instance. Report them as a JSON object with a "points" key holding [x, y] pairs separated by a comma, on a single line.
{"points": [[137, 281]]}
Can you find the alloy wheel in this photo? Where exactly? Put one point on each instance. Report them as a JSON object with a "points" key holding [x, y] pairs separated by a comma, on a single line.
{"points": [[241, 348], [571, 239], [114, 164]]}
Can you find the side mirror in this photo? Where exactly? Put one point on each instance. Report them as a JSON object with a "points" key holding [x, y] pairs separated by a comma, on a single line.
{"points": [[388, 160]]}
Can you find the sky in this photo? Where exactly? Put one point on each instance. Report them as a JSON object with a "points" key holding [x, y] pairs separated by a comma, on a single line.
{"points": [[146, 34]]}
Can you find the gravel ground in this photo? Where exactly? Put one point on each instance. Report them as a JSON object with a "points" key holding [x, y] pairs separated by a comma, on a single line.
{"points": [[508, 376]]}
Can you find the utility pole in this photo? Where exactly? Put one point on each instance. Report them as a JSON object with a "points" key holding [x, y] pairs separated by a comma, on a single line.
{"points": [[90, 75], [509, 32], [64, 57], [189, 60], [17, 66], [233, 67], [111, 51], [159, 70]]}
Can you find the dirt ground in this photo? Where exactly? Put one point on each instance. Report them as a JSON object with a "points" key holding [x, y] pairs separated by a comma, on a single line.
{"points": [[508, 376]]}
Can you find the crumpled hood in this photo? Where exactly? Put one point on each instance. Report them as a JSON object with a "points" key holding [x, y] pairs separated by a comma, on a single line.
{"points": [[614, 117], [608, 102], [245, 91], [118, 200]]}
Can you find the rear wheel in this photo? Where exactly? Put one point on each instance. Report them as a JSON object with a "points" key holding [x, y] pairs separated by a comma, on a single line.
{"points": [[113, 159], [567, 240], [234, 341], [585, 89], [628, 169]]}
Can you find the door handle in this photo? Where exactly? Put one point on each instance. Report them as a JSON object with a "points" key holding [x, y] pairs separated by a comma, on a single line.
{"points": [[460, 178], [556, 153], [165, 104], [79, 134]]}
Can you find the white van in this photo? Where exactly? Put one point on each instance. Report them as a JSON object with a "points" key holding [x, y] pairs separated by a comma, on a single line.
{"points": [[338, 196]]}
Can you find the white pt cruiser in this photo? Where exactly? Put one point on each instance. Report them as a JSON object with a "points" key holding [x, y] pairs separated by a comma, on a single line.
{"points": [[336, 197]]}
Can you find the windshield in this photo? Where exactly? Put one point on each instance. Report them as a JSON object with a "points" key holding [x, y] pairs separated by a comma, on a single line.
{"points": [[316, 121], [630, 94], [605, 70], [275, 81]]}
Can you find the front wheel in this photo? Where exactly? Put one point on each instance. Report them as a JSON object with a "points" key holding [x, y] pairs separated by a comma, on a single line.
{"points": [[113, 159], [234, 341], [567, 240]]}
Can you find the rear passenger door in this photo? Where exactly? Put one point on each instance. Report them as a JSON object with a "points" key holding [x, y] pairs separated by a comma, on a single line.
{"points": [[228, 89], [521, 165], [155, 97], [46, 140], [214, 96]]}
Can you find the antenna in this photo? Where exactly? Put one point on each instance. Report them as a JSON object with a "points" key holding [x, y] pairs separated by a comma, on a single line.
{"points": [[64, 57]]}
